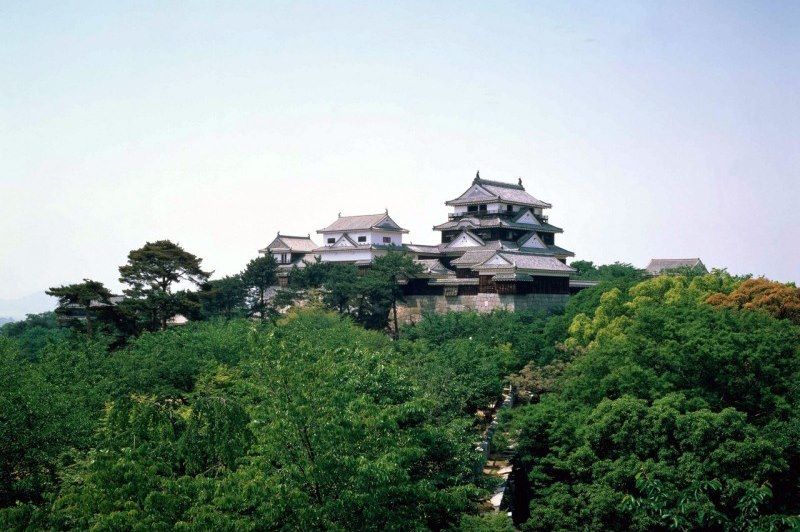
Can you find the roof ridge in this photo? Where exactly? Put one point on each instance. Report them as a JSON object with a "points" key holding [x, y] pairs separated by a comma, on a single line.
{"points": [[358, 215], [490, 182]]}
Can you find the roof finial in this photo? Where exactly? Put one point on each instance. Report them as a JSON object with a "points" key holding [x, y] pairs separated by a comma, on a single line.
{"points": [[340, 214], [519, 181], [279, 232], [386, 210], [477, 176]]}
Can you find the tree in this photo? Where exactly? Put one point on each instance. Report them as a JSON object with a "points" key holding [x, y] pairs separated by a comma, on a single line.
{"points": [[257, 277], [151, 272], [671, 414], [88, 295], [381, 287], [778, 299], [224, 297]]}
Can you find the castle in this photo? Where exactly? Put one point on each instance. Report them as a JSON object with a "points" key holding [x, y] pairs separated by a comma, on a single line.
{"points": [[497, 250]]}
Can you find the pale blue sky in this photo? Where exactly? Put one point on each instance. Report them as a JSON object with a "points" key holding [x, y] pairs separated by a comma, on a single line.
{"points": [[656, 129]]}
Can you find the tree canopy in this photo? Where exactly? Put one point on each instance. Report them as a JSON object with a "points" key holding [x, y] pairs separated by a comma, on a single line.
{"points": [[151, 272]]}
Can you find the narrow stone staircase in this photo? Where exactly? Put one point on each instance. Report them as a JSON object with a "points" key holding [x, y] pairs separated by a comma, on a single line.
{"points": [[497, 465]]}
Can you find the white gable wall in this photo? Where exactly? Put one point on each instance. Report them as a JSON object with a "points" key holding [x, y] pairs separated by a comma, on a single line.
{"points": [[463, 240], [528, 218], [496, 260]]}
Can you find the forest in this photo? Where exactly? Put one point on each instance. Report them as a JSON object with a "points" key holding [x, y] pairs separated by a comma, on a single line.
{"points": [[649, 403]]}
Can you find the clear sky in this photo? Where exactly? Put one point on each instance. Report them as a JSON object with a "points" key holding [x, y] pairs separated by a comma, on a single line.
{"points": [[656, 129]]}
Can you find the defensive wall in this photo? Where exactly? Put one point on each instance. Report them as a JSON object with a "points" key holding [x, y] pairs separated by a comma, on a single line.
{"points": [[416, 305]]}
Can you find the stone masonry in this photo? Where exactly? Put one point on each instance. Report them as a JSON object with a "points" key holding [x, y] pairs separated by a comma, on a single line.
{"points": [[415, 306]]}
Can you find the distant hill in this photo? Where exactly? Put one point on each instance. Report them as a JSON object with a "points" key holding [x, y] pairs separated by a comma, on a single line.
{"points": [[16, 309], [4, 320]]}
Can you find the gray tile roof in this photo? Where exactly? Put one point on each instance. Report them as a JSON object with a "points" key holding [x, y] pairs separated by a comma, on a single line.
{"points": [[363, 222], [526, 261], [470, 258], [495, 221], [422, 248], [657, 265], [483, 190], [554, 251], [433, 267], [296, 244], [512, 277]]}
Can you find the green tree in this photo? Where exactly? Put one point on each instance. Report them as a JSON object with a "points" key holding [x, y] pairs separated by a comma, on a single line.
{"points": [[259, 274], [88, 296], [151, 272], [226, 297], [669, 413], [380, 289]]}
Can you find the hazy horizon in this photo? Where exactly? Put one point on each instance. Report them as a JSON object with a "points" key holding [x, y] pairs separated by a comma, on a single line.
{"points": [[655, 129]]}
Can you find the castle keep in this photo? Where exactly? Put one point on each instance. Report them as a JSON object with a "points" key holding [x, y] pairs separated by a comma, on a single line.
{"points": [[497, 250]]}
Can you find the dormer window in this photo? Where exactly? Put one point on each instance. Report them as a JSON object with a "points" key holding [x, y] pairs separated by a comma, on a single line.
{"points": [[387, 240], [362, 239], [331, 241]]}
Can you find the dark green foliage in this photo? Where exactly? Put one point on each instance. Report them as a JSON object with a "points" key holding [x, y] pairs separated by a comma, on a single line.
{"points": [[673, 414], [151, 272], [226, 298], [525, 334], [170, 363], [310, 423], [647, 409], [47, 408], [368, 299], [586, 269], [34, 333], [340, 282], [90, 296], [259, 274]]}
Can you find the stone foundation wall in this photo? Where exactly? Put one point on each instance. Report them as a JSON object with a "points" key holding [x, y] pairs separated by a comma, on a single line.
{"points": [[415, 306]]}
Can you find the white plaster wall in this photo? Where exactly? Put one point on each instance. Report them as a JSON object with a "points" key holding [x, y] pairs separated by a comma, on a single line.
{"points": [[347, 256], [377, 237], [373, 237]]}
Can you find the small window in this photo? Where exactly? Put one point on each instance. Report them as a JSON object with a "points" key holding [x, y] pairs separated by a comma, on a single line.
{"points": [[509, 208], [362, 239], [472, 208], [331, 240], [483, 208], [387, 240]]}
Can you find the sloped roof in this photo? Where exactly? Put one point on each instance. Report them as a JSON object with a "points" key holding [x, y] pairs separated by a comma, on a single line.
{"points": [[422, 248], [512, 276], [300, 263], [295, 244], [483, 190], [363, 222], [657, 265], [470, 258], [464, 234], [493, 246], [526, 261], [531, 240], [495, 221], [433, 267]]}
